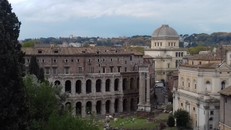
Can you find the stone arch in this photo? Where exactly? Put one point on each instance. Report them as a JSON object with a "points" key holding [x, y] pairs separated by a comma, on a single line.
{"points": [[124, 83], [68, 86], [78, 108], [138, 83], [132, 105], [131, 83], [116, 85], [88, 86], [116, 105], [68, 106], [98, 107], [57, 82], [78, 86], [107, 105], [125, 105], [108, 82], [88, 108], [222, 85], [98, 85]]}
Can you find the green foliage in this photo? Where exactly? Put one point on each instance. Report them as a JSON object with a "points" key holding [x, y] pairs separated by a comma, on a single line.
{"points": [[182, 119], [43, 100], [29, 43], [171, 121], [13, 109], [68, 122], [196, 50]]}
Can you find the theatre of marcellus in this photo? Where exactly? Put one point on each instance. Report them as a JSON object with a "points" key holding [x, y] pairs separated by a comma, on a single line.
{"points": [[98, 80]]}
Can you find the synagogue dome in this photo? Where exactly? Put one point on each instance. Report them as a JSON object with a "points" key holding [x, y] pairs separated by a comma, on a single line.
{"points": [[165, 33]]}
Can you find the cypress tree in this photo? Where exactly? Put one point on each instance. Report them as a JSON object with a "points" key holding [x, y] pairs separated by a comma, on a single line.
{"points": [[13, 110], [34, 69]]}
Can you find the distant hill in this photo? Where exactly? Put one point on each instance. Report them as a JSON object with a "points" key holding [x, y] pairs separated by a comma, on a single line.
{"points": [[138, 40]]}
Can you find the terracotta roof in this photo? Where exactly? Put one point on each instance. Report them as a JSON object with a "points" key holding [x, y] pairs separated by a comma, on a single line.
{"points": [[78, 51], [226, 91], [147, 57], [203, 66]]}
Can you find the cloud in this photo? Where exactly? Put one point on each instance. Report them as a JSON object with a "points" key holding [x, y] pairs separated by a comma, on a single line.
{"points": [[198, 15]]}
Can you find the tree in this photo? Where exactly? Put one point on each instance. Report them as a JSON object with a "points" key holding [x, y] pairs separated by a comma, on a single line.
{"points": [[171, 121], [13, 109], [34, 69], [182, 118], [43, 100]]}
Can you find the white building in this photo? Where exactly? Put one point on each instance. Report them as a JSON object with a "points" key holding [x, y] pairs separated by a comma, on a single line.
{"points": [[199, 81], [165, 51]]}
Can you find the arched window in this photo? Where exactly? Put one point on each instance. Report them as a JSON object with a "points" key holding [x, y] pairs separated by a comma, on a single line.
{"points": [[108, 82], [131, 83], [208, 86], [88, 107], [78, 85], [88, 86], [78, 108], [98, 107], [68, 86], [124, 83], [98, 85], [116, 85], [108, 103], [57, 82], [222, 85]]}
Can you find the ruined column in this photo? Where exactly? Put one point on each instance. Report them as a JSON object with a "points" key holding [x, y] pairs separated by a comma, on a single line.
{"points": [[93, 86], [103, 111], [112, 106], [73, 87], [83, 109], [120, 104], [103, 85], [83, 87]]}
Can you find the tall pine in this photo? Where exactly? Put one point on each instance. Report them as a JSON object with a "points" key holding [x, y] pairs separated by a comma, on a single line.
{"points": [[34, 69], [13, 110]]}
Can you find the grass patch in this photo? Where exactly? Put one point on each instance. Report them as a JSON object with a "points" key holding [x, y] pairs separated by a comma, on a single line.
{"points": [[133, 123]]}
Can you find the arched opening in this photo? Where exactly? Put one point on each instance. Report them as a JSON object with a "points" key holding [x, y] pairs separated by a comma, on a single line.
{"points": [[116, 85], [68, 106], [88, 107], [125, 105], [138, 83], [222, 85], [78, 108], [108, 81], [98, 107], [108, 103], [88, 86], [68, 86], [131, 83], [116, 105], [57, 82], [132, 106], [98, 85], [208, 86], [78, 86], [124, 83]]}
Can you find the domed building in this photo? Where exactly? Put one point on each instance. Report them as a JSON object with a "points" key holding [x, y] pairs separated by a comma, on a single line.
{"points": [[165, 52]]}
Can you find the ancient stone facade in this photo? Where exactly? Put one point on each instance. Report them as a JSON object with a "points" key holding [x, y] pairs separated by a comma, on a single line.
{"points": [[98, 80]]}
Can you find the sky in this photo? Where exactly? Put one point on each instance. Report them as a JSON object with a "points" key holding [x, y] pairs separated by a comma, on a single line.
{"points": [[119, 18]]}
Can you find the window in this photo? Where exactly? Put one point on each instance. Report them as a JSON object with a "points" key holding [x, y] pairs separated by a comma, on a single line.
{"points": [[130, 58], [222, 85], [125, 69], [80, 69], [168, 65], [39, 51], [54, 60], [104, 69], [65, 60], [118, 68], [111, 68], [66, 70], [92, 69], [125, 62], [54, 69], [211, 113], [56, 51], [47, 70]]}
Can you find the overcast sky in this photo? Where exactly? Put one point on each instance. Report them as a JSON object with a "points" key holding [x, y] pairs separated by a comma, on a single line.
{"points": [[114, 18]]}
